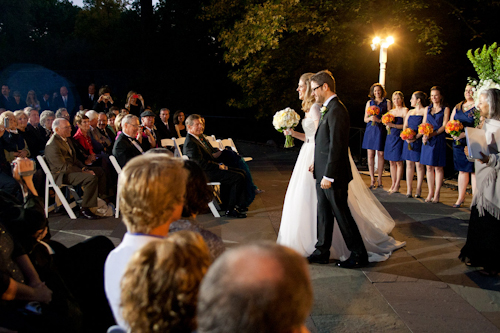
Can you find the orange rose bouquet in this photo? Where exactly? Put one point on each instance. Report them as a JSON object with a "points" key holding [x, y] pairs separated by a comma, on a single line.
{"points": [[373, 111], [386, 119], [425, 129], [454, 128], [408, 134]]}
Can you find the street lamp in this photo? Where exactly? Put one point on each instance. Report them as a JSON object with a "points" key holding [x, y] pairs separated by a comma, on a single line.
{"points": [[384, 45]]}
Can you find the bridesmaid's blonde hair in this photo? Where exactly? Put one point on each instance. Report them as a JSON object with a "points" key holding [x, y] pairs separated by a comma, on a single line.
{"points": [[309, 99], [400, 94]]}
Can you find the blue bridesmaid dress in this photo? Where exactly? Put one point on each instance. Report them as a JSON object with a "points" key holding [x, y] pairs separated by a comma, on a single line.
{"points": [[414, 154], [374, 137], [434, 152], [393, 150], [459, 160]]}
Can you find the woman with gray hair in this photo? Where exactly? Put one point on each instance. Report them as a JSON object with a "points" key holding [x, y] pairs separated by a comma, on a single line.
{"points": [[482, 248], [46, 119]]}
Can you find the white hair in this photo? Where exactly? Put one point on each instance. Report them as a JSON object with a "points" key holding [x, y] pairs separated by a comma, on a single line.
{"points": [[92, 115]]}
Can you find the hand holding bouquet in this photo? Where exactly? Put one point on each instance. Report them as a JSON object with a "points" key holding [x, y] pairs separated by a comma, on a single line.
{"points": [[408, 134], [373, 111], [284, 120], [386, 119], [425, 129], [454, 128]]}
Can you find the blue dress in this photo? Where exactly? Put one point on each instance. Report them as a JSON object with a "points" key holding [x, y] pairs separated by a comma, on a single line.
{"points": [[459, 160], [414, 154], [434, 152], [393, 150], [374, 137]]}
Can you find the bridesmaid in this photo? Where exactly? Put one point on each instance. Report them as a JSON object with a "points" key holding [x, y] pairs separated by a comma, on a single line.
{"points": [[412, 120], [463, 112], [393, 144], [374, 138], [434, 148]]}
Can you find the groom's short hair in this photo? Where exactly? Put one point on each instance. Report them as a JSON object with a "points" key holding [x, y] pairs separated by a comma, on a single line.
{"points": [[324, 76], [261, 287]]}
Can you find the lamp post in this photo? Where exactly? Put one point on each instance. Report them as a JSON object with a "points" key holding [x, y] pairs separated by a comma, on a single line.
{"points": [[384, 45]]}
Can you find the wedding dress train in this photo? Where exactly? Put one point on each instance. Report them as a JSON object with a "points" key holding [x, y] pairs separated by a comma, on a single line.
{"points": [[298, 221]]}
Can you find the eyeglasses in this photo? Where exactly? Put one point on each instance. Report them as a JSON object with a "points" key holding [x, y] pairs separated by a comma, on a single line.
{"points": [[314, 89]]}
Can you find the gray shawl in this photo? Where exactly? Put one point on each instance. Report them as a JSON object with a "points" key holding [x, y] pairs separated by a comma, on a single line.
{"points": [[487, 195]]}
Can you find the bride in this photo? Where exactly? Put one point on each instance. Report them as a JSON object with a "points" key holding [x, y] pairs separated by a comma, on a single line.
{"points": [[298, 221]]}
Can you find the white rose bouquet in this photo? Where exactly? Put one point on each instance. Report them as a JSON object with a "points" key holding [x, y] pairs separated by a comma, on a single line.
{"points": [[284, 120]]}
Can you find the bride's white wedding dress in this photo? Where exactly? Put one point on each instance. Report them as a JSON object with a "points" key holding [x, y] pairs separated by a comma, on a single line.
{"points": [[298, 221]]}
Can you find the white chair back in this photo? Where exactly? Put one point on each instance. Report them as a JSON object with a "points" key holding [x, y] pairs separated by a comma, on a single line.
{"points": [[180, 141], [167, 142], [177, 148]]}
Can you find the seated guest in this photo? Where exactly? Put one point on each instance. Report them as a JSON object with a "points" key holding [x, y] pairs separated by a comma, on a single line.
{"points": [[13, 143], [115, 110], [46, 119], [89, 99], [263, 287], [100, 142], [232, 178], [83, 140], [130, 142], [46, 102], [160, 285], [32, 100], [165, 128], [7, 182], [148, 121], [180, 128], [118, 124], [63, 113], [147, 210], [66, 100], [111, 123], [124, 110], [135, 103], [105, 131], [6, 102], [35, 133], [18, 103], [67, 169], [198, 195], [105, 100]]}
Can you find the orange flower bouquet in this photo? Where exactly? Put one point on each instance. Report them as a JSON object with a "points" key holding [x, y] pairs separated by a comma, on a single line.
{"points": [[408, 134], [373, 111], [386, 119], [454, 128], [425, 129]]}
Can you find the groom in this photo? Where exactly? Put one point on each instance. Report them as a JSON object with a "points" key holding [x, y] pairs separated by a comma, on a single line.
{"points": [[332, 172]]}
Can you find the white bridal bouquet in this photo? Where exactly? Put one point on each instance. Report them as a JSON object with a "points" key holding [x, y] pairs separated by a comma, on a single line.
{"points": [[284, 120]]}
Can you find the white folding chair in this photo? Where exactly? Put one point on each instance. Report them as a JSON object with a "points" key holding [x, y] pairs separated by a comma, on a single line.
{"points": [[118, 170], [50, 183], [210, 138], [177, 148], [229, 142], [167, 143]]}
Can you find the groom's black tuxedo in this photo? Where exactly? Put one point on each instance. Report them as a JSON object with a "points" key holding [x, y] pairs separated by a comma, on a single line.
{"points": [[331, 159]]}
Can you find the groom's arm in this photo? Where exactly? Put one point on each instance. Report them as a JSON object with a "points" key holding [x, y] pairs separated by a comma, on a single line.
{"points": [[338, 124]]}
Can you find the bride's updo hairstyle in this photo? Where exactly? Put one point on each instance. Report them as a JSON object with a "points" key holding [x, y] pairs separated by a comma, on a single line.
{"points": [[309, 99], [493, 100], [422, 97]]}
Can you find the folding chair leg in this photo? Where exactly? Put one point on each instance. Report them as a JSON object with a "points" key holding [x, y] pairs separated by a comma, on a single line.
{"points": [[117, 207], [64, 202], [213, 209]]}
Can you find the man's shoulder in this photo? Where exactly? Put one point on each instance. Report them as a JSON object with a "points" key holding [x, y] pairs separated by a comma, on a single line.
{"points": [[53, 140]]}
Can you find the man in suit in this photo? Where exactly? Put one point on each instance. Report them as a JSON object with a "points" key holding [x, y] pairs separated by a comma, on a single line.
{"points": [[332, 172], [65, 100], [67, 169], [148, 122], [232, 178], [130, 143], [46, 102], [165, 128], [90, 98], [6, 101]]}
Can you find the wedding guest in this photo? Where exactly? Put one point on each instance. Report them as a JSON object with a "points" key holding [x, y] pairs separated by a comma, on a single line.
{"points": [[46, 102], [6, 101], [180, 128], [46, 119], [35, 133], [101, 143], [463, 112], [90, 98], [148, 122], [482, 248], [160, 286], [412, 148], [105, 130], [105, 101], [115, 110], [131, 142], [111, 122], [13, 143], [433, 154], [147, 210], [7, 182], [65, 100], [18, 103], [32, 100], [393, 149], [165, 127], [375, 133], [261, 287], [135, 103], [118, 123]]}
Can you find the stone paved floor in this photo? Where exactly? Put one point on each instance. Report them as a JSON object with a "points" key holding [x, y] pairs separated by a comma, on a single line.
{"points": [[421, 288]]}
